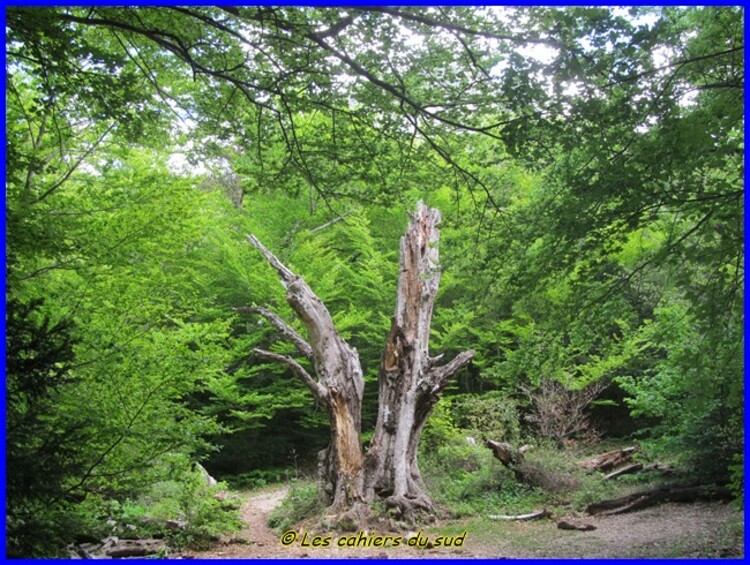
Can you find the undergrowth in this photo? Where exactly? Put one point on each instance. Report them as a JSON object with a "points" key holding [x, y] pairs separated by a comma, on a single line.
{"points": [[301, 503]]}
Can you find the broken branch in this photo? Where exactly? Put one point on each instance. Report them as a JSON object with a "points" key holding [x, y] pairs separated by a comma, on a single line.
{"points": [[609, 460], [643, 499], [287, 276], [439, 376], [632, 468]]}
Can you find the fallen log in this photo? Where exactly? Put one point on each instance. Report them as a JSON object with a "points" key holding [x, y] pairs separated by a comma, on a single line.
{"points": [[644, 499], [529, 472], [632, 468], [663, 469], [564, 525], [609, 460], [522, 517], [135, 548], [115, 547]]}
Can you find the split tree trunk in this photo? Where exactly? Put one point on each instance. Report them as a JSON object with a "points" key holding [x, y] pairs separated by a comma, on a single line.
{"points": [[410, 381]]}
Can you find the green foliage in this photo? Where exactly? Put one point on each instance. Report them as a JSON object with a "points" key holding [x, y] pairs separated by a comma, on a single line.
{"points": [[43, 445], [440, 429], [489, 416], [179, 494], [258, 478], [189, 499], [465, 480], [737, 479], [691, 396], [300, 503]]}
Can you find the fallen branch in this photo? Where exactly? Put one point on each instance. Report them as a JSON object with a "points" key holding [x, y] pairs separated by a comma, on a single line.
{"points": [[609, 460], [505, 453], [528, 472], [644, 499], [522, 517], [632, 468], [663, 469], [324, 226], [564, 525]]}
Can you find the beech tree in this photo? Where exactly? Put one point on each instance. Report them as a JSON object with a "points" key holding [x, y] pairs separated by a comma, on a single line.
{"points": [[410, 381]]}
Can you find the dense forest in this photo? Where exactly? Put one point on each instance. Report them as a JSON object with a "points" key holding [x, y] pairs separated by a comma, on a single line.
{"points": [[586, 169]]}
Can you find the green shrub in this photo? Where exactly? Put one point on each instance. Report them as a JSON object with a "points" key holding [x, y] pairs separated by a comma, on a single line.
{"points": [[440, 429], [490, 416], [459, 456], [551, 469], [466, 480], [301, 502], [259, 478], [188, 498], [737, 482]]}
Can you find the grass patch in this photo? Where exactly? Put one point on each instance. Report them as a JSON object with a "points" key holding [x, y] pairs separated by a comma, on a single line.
{"points": [[259, 478], [301, 503], [466, 480]]}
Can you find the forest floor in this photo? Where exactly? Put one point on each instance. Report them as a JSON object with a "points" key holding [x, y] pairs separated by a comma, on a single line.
{"points": [[706, 529]]}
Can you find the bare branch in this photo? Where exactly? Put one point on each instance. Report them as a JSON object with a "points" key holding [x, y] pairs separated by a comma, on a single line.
{"points": [[286, 330], [333, 358], [318, 391], [75, 165], [439, 376], [287, 276], [324, 226]]}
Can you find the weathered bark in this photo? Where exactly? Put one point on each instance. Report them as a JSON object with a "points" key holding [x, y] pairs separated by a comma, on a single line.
{"points": [[644, 499], [511, 458], [410, 381], [659, 468], [339, 385], [527, 471], [114, 547], [626, 470], [609, 460]]}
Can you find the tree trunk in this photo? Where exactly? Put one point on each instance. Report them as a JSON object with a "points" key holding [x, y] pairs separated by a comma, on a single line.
{"points": [[338, 388], [410, 382]]}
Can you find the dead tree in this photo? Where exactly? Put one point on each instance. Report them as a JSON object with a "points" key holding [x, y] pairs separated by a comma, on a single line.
{"points": [[527, 471], [339, 385], [609, 460], [410, 381]]}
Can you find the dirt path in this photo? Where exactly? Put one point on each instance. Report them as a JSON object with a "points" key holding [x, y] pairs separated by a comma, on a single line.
{"points": [[256, 539], [668, 530]]}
